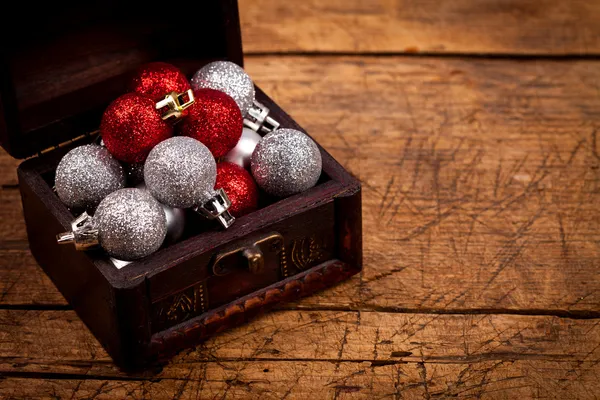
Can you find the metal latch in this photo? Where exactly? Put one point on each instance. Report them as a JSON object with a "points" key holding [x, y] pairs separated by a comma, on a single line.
{"points": [[250, 255]]}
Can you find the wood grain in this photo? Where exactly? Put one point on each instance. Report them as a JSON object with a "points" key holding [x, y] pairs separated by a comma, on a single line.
{"points": [[550, 27], [480, 180], [324, 380], [480, 177], [364, 353]]}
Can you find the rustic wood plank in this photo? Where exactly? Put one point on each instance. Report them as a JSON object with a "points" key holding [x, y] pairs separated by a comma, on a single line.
{"points": [[480, 177], [480, 180], [8, 170], [57, 341], [366, 353], [11, 214], [22, 281], [407, 26], [325, 380]]}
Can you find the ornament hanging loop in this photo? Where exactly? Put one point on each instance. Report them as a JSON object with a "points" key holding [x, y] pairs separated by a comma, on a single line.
{"points": [[84, 235], [258, 118], [216, 208], [175, 103]]}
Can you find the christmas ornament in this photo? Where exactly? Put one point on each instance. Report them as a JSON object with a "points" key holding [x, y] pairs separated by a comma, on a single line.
{"points": [[175, 221], [175, 224], [181, 172], [286, 162], [214, 120], [131, 127], [129, 224], [86, 175], [239, 186], [133, 124], [157, 79], [242, 152], [230, 78]]}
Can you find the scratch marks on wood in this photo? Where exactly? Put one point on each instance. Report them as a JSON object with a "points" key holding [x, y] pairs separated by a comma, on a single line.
{"points": [[594, 144], [343, 343], [563, 239], [425, 383]]}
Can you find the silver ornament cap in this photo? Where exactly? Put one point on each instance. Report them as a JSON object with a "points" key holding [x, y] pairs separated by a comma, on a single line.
{"points": [[180, 172], [131, 224], [241, 154], [285, 162], [227, 77], [86, 175], [258, 118]]}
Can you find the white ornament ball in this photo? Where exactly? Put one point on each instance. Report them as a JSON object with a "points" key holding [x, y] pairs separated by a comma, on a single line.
{"points": [[241, 154]]}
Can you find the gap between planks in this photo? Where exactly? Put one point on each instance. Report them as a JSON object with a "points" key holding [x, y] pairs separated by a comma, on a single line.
{"points": [[389, 54], [565, 314], [151, 373]]}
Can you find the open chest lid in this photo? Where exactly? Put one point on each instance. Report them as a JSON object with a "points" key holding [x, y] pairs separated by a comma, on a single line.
{"points": [[62, 63]]}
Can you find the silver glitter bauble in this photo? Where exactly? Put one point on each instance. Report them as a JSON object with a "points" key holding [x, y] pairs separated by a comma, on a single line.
{"points": [[86, 175], [131, 224], [229, 78], [175, 221], [285, 162], [241, 154], [181, 172]]}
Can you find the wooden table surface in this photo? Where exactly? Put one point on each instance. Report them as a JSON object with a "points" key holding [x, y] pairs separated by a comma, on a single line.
{"points": [[473, 125]]}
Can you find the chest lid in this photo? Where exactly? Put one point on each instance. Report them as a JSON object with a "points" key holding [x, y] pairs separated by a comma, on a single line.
{"points": [[62, 63]]}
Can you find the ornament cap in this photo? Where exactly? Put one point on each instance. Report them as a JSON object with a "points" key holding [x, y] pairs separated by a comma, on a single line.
{"points": [[217, 208], [65, 238], [175, 103], [84, 234], [258, 118]]}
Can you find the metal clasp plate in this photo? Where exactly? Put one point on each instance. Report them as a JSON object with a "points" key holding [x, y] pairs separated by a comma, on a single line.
{"points": [[250, 255]]}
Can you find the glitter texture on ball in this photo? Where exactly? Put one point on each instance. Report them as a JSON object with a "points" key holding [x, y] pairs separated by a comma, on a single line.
{"points": [[180, 172], [241, 154], [86, 175], [131, 127], [214, 120], [157, 79], [175, 221], [239, 186], [285, 162], [229, 78], [131, 224]]}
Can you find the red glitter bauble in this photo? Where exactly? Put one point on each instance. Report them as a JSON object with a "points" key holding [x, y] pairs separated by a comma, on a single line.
{"points": [[158, 79], [239, 186], [215, 120], [131, 127]]}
